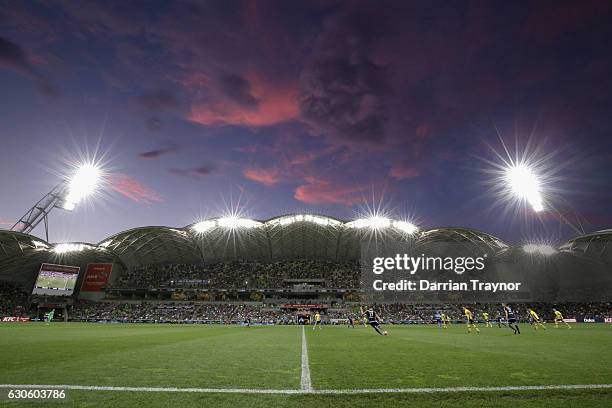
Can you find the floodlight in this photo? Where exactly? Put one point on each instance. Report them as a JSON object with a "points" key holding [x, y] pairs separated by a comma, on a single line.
{"points": [[81, 185], [405, 226], [69, 247], [203, 226], [525, 184], [374, 222], [541, 249], [316, 219], [234, 222]]}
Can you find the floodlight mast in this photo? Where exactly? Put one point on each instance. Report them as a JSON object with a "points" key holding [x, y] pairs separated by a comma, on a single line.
{"points": [[65, 195], [40, 211]]}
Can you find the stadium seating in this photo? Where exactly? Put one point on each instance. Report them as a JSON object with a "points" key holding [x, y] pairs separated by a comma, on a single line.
{"points": [[14, 299], [241, 275]]}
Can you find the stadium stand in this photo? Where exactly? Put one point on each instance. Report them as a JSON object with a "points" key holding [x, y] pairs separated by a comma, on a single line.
{"points": [[222, 271], [261, 313], [14, 300], [242, 275]]}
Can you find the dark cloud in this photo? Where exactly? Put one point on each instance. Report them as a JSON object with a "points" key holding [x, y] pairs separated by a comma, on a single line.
{"points": [[152, 154], [154, 124], [14, 57], [194, 173], [48, 89], [342, 89], [329, 97], [158, 99], [203, 170], [238, 90]]}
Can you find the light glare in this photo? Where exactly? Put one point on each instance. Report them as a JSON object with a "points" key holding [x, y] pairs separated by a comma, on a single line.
{"points": [[405, 226], [375, 223], [525, 185], [82, 184], [233, 222], [541, 249], [203, 226], [68, 247]]}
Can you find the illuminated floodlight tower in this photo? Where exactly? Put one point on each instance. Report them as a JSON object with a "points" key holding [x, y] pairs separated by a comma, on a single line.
{"points": [[525, 184], [525, 176], [66, 195]]}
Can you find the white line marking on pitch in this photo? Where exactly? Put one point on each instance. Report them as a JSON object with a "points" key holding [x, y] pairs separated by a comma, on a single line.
{"points": [[306, 384], [310, 391]]}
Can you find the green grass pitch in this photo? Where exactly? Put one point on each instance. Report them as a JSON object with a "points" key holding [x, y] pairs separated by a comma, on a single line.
{"points": [[200, 356]]}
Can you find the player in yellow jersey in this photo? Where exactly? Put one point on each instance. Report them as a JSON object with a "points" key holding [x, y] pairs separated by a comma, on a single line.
{"points": [[534, 319], [559, 318], [446, 321], [317, 321], [485, 317], [470, 320]]}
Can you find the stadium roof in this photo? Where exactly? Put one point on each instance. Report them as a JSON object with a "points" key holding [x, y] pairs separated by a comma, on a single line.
{"points": [[597, 244], [230, 238]]}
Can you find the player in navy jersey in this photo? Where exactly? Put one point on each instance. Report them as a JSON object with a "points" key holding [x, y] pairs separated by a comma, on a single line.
{"points": [[373, 320], [511, 319], [438, 318]]}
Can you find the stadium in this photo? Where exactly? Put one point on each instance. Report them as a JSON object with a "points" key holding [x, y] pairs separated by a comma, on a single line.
{"points": [[305, 204], [253, 285]]}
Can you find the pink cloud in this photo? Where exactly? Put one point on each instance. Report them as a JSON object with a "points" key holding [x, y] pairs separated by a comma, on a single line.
{"points": [[133, 189], [310, 156], [4, 221], [402, 170], [268, 177], [321, 191], [275, 104]]}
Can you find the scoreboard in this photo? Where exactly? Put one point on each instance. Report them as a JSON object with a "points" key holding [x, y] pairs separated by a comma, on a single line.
{"points": [[56, 280]]}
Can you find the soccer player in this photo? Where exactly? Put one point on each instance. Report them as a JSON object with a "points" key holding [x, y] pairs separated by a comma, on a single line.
{"points": [[438, 317], [374, 320], [485, 316], [49, 316], [445, 320], [534, 319], [364, 319], [351, 321], [511, 319], [470, 320], [317, 321], [559, 318], [500, 318]]}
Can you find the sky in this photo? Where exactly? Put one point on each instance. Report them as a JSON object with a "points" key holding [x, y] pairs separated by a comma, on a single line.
{"points": [[197, 109]]}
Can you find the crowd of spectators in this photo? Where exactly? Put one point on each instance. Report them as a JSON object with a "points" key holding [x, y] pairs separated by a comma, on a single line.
{"points": [[426, 313], [14, 300], [242, 275], [175, 312], [181, 312]]}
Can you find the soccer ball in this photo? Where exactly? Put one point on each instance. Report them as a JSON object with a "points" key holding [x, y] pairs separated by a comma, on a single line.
{"points": [[385, 333]]}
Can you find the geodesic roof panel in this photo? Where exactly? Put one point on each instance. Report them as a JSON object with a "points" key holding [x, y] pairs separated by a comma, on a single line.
{"points": [[283, 237], [462, 237], [304, 236], [218, 243], [150, 245], [595, 245], [21, 256]]}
